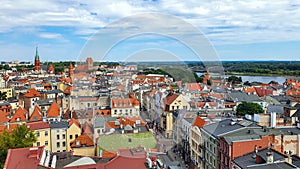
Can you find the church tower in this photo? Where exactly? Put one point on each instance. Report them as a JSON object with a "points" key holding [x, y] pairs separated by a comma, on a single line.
{"points": [[37, 66], [71, 71]]}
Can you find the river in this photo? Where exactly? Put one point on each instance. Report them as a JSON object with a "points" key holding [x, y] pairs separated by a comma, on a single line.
{"points": [[263, 79]]}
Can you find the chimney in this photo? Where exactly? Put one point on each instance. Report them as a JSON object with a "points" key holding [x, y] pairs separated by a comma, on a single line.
{"points": [[270, 158], [77, 143]]}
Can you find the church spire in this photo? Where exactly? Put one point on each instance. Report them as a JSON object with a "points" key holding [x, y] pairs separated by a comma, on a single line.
{"points": [[37, 66], [37, 57]]}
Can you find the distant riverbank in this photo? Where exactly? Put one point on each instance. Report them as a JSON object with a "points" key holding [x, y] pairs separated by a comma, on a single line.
{"points": [[258, 78]]}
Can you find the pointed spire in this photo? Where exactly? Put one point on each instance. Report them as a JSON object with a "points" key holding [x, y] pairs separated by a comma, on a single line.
{"points": [[37, 57]]}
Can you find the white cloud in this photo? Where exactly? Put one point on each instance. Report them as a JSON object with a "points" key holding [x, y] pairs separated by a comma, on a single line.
{"points": [[246, 21]]}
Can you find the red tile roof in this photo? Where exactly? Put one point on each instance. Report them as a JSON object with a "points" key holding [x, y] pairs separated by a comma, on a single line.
{"points": [[87, 129], [193, 86], [68, 114], [74, 121], [37, 114], [32, 93], [263, 92], [125, 121], [170, 98], [23, 158], [3, 117], [21, 114], [124, 103], [199, 122], [84, 141], [127, 163], [38, 125], [54, 110]]}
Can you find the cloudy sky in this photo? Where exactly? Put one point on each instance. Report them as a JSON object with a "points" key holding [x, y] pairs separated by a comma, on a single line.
{"points": [[238, 30]]}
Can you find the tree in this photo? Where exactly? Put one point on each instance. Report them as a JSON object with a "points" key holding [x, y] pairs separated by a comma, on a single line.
{"points": [[19, 138], [3, 95], [234, 79], [248, 108], [273, 82]]}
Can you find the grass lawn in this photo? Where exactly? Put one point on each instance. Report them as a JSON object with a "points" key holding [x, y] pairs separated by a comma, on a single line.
{"points": [[117, 141]]}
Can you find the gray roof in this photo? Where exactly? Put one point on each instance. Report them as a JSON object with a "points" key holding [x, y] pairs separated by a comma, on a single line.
{"points": [[46, 102], [190, 120], [99, 122], [275, 108], [128, 128], [249, 134], [3, 102], [239, 96], [279, 165], [59, 125], [249, 159], [225, 126]]}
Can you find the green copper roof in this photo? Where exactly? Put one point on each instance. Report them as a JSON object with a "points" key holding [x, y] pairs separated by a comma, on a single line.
{"points": [[37, 57]]}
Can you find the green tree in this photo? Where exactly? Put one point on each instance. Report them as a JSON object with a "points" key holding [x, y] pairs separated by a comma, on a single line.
{"points": [[3, 95], [248, 108], [19, 138], [234, 79]]}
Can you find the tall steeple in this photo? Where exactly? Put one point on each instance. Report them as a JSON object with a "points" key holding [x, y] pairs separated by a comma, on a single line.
{"points": [[37, 57], [37, 66], [71, 71]]}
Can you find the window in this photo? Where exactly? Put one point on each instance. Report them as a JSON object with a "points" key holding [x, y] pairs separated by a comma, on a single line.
{"points": [[64, 144], [46, 143], [98, 131], [37, 134], [71, 136], [64, 136], [58, 144], [38, 143], [76, 135], [57, 137], [46, 133]]}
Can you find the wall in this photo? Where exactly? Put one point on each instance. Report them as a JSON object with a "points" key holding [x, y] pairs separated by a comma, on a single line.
{"points": [[84, 151], [54, 140], [72, 131], [43, 138]]}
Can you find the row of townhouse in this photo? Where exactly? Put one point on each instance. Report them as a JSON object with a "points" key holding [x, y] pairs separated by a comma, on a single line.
{"points": [[223, 144]]}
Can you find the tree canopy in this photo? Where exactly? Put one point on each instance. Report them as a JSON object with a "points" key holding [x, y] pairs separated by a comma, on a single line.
{"points": [[3, 95], [248, 108], [234, 79], [19, 138]]}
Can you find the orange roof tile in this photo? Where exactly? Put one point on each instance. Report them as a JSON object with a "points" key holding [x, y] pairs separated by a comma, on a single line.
{"points": [[124, 102], [54, 110], [37, 114], [32, 92], [199, 122], [38, 125], [125, 121], [21, 114], [84, 141], [74, 121], [250, 90], [3, 117], [193, 86]]}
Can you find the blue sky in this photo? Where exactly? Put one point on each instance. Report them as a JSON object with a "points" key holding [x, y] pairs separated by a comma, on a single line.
{"points": [[238, 30]]}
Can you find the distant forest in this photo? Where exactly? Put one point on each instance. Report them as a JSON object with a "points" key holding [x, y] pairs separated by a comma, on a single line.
{"points": [[267, 68], [278, 68]]}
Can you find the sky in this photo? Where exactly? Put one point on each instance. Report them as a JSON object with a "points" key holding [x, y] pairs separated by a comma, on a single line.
{"points": [[69, 30]]}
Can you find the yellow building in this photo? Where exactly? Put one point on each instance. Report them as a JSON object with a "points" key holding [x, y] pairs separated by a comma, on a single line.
{"points": [[73, 132], [9, 92], [83, 145], [42, 131]]}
